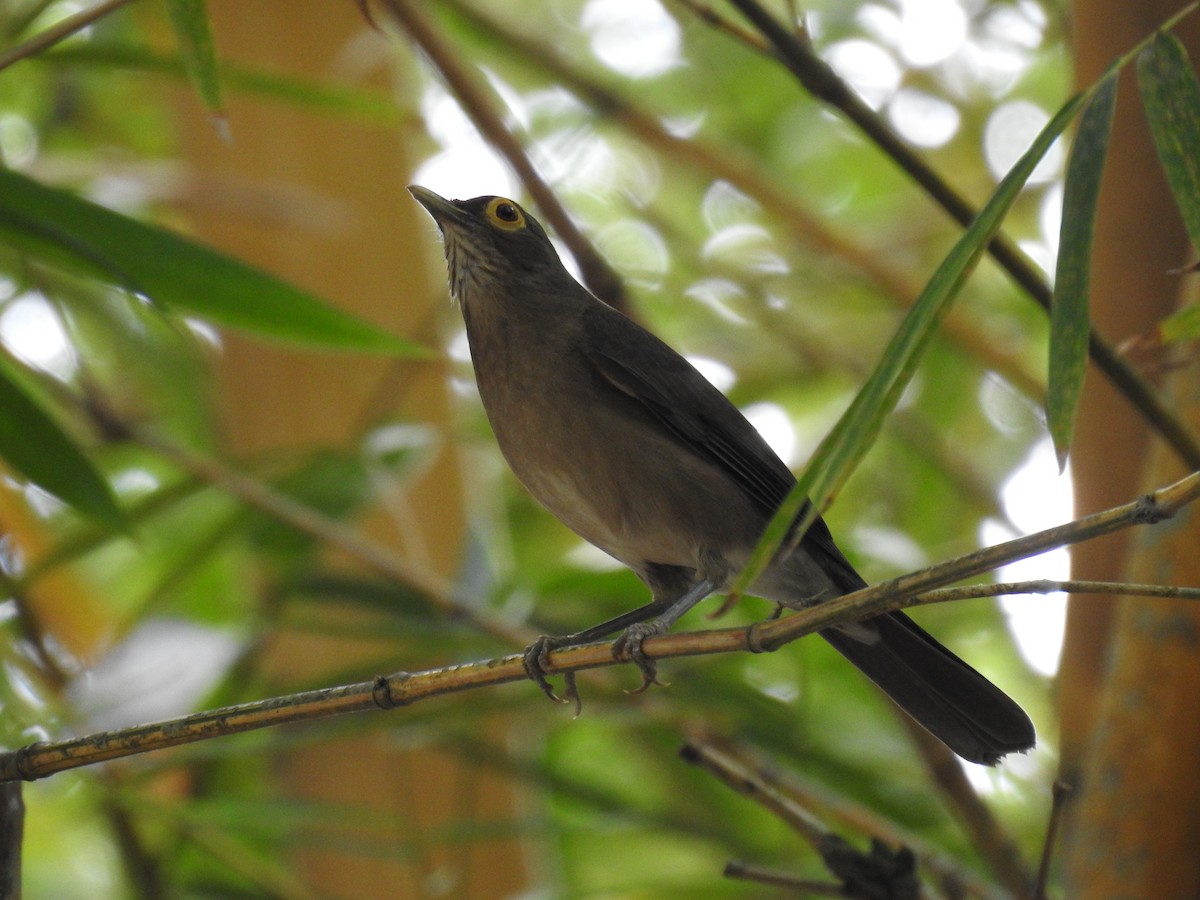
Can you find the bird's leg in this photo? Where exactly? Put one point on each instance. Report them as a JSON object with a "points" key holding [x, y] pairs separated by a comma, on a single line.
{"points": [[536, 653], [631, 641]]}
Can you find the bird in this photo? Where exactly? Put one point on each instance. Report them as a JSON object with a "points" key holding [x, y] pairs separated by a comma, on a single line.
{"points": [[633, 449]]}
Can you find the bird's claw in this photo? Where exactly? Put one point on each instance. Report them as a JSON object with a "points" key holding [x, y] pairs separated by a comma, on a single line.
{"points": [[536, 659], [630, 644]]}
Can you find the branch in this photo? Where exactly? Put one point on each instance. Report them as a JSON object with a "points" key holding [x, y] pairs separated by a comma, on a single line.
{"points": [[599, 276], [984, 830], [710, 16], [884, 872], [12, 831], [57, 32], [1047, 586], [440, 592], [748, 176], [758, 786], [905, 591], [1060, 794], [795, 886], [45, 758], [764, 786]]}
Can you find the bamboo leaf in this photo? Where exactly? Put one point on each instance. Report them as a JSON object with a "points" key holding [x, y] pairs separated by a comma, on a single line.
{"points": [[1070, 324], [1183, 325], [36, 446], [1171, 97], [189, 18], [339, 99], [174, 271], [855, 432]]}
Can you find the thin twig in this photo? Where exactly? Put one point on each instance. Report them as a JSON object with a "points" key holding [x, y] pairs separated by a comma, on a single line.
{"points": [[599, 276], [707, 14], [798, 56], [754, 784], [764, 786], [883, 597], [439, 591], [16, 22], [942, 869], [986, 834], [747, 176], [883, 871], [142, 867], [57, 32], [798, 886], [531, 768], [1060, 793], [12, 833], [1047, 586], [45, 758]]}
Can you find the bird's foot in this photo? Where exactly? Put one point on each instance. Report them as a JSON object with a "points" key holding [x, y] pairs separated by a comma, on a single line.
{"points": [[536, 659], [630, 644]]}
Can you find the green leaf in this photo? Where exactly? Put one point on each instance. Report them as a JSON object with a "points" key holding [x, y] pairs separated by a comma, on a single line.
{"points": [[855, 432], [1180, 326], [332, 484], [174, 271], [37, 447], [1070, 325], [370, 594], [1171, 97], [347, 100], [189, 18]]}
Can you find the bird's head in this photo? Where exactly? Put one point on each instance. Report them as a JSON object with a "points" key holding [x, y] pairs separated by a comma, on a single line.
{"points": [[491, 243]]}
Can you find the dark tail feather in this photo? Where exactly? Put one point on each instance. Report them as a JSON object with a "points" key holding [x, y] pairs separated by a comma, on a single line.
{"points": [[968, 713]]}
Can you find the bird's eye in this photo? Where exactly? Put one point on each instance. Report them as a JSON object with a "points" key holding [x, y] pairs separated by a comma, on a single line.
{"points": [[505, 214]]}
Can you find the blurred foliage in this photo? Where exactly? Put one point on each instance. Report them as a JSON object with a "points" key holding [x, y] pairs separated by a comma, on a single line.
{"points": [[757, 231]]}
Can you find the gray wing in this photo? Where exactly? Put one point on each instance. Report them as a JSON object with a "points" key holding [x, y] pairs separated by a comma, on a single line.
{"points": [[702, 419]]}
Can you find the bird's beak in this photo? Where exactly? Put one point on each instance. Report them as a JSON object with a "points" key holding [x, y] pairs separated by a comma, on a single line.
{"points": [[443, 211]]}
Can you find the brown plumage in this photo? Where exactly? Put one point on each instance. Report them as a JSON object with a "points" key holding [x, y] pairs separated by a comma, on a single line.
{"points": [[624, 441]]}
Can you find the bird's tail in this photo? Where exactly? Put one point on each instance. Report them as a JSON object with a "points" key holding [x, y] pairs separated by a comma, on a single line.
{"points": [[968, 713]]}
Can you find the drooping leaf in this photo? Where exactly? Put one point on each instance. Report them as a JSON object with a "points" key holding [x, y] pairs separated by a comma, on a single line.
{"points": [[173, 271], [189, 18], [36, 446], [1069, 320], [853, 435], [1171, 97]]}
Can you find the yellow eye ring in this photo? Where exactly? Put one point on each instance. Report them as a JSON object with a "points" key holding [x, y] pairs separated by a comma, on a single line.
{"points": [[505, 215]]}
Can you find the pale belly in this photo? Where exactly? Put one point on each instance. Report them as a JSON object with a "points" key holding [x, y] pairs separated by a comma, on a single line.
{"points": [[641, 503]]}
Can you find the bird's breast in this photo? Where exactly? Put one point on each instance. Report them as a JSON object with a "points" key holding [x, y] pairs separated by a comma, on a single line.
{"points": [[620, 483]]}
